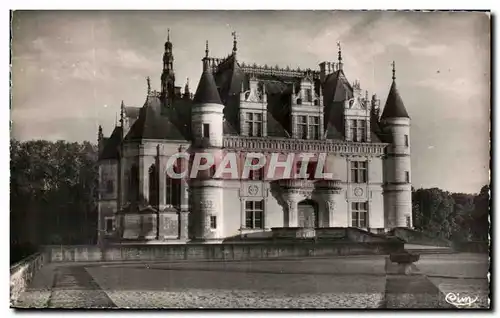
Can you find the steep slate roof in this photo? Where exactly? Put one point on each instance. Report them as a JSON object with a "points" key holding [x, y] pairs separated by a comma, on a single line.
{"points": [[132, 112], [180, 115], [223, 86], [336, 89], [394, 106], [111, 145], [207, 89], [155, 123]]}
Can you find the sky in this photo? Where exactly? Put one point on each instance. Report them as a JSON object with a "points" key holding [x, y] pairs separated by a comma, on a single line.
{"points": [[72, 69]]}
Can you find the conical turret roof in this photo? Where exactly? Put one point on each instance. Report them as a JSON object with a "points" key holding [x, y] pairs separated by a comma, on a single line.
{"points": [[394, 107], [207, 90]]}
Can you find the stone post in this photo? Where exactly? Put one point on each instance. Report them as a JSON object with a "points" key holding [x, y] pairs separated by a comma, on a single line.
{"points": [[143, 177], [183, 224], [293, 211], [184, 199], [162, 174]]}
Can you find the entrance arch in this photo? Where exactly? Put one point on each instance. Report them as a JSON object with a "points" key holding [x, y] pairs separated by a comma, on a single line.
{"points": [[308, 214]]}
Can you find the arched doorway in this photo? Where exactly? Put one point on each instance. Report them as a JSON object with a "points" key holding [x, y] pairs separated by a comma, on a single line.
{"points": [[308, 214]]}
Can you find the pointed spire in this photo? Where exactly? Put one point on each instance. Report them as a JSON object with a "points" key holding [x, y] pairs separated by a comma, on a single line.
{"points": [[207, 89], [393, 71], [122, 114], [394, 107], [99, 133], [148, 80], [206, 49], [235, 42], [168, 35]]}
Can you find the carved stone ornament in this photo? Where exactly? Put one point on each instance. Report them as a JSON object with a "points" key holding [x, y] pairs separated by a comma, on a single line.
{"points": [[358, 192], [253, 189], [330, 205]]}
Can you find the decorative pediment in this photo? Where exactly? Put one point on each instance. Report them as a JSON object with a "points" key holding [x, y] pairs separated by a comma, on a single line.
{"points": [[356, 103]]}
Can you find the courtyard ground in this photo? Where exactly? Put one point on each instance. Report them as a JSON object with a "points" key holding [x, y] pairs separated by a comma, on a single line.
{"points": [[337, 282]]}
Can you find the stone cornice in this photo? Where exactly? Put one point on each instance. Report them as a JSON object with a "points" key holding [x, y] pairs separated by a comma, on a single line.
{"points": [[301, 145]]}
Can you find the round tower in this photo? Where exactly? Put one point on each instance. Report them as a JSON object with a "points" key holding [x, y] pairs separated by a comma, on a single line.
{"points": [[207, 191], [397, 164]]}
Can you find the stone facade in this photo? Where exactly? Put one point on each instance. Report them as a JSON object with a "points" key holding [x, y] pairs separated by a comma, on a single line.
{"points": [[243, 109]]}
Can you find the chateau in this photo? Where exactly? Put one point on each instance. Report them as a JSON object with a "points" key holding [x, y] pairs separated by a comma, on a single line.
{"points": [[244, 109]]}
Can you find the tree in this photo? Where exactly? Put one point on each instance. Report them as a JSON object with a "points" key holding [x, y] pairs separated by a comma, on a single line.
{"points": [[455, 216], [53, 187]]}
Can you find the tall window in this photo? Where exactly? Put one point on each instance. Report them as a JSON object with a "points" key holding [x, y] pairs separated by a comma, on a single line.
{"points": [[213, 222], [134, 184], [359, 171], [302, 127], [407, 141], [360, 214], [358, 130], [254, 124], [256, 174], [407, 176], [254, 214], [153, 186], [314, 127], [109, 224], [172, 189], [206, 130], [109, 186], [308, 127]]}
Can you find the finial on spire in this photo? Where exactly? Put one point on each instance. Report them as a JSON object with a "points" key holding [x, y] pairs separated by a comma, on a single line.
{"points": [[122, 113], [148, 80], [168, 35], [340, 52], [234, 42], [393, 70], [206, 49]]}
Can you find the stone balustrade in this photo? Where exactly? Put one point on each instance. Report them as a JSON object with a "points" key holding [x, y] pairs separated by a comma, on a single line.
{"points": [[241, 143]]}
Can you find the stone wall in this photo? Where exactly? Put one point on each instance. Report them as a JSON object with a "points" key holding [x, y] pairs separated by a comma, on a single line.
{"points": [[23, 272], [416, 237], [216, 251], [471, 247]]}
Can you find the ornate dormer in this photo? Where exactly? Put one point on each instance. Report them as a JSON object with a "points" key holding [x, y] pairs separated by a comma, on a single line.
{"points": [[253, 108], [357, 112], [306, 109]]}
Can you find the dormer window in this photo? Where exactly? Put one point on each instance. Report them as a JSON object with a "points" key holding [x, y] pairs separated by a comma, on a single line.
{"points": [[302, 127], [308, 127], [314, 127], [358, 130], [254, 124]]}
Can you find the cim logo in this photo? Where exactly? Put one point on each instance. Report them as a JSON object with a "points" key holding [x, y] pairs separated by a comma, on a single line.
{"points": [[460, 301]]}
